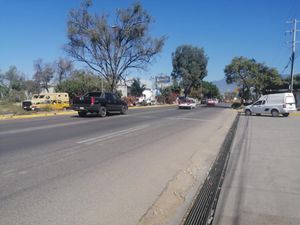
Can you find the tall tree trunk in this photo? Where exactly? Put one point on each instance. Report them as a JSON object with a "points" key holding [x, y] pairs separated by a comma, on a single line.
{"points": [[242, 94]]}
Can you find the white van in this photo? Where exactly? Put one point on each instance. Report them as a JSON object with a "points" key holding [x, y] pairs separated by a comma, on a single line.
{"points": [[274, 104]]}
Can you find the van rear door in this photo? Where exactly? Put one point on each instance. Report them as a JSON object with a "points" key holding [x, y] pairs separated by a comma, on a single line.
{"points": [[290, 102]]}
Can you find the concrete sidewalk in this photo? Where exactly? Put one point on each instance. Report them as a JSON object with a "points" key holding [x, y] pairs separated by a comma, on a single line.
{"points": [[262, 183]]}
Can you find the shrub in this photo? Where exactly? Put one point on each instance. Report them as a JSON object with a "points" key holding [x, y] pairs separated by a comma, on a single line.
{"points": [[236, 105], [130, 100]]}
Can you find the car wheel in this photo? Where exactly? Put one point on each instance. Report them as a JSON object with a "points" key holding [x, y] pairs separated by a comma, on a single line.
{"points": [[81, 114], [124, 110], [248, 112], [274, 113], [102, 111], [285, 114]]}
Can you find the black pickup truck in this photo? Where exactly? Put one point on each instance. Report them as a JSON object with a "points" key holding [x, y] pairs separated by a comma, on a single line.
{"points": [[99, 102]]}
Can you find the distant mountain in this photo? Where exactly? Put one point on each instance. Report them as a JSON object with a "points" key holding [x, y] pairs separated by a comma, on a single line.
{"points": [[223, 86]]}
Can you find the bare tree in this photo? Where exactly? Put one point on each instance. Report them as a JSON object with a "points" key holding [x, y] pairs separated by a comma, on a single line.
{"points": [[14, 79], [112, 50], [43, 74], [64, 67]]}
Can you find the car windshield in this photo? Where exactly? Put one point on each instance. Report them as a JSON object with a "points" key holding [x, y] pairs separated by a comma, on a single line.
{"points": [[185, 100]]}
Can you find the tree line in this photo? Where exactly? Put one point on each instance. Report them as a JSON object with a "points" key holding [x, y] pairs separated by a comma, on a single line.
{"points": [[112, 48], [252, 77], [15, 87]]}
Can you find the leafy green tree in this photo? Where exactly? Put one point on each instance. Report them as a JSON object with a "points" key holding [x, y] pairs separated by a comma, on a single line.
{"points": [[176, 88], [167, 95], [189, 66], [44, 73], [210, 90], [12, 85], [112, 50], [3, 88], [287, 80], [297, 79], [137, 88], [166, 91], [196, 93], [81, 82], [14, 79], [251, 77]]}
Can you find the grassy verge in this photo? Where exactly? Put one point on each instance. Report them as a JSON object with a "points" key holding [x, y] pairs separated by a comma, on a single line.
{"points": [[12, 108]]}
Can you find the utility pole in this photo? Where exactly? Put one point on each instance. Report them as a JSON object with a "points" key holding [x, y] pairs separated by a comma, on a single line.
{"points": [[294, 32]]}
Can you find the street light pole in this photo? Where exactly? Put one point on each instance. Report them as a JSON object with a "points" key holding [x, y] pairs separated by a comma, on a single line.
{"points": [[293, 54], [294, 31]]}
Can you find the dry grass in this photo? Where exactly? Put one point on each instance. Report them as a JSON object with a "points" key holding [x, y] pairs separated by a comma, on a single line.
{"points": [[12, 108]]}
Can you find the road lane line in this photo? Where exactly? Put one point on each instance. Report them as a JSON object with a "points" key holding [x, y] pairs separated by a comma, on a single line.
{"points": [[151, 112], [51, 126], [187, 118], [16, 131], [111, 135]]}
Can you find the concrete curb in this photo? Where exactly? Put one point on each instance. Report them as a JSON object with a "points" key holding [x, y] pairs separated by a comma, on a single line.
{"points": [[58, 113]]}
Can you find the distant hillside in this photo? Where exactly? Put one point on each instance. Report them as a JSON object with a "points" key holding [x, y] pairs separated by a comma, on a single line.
{"points": [[223, 86]]}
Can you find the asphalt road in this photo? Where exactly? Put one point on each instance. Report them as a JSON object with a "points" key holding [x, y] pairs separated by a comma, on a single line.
{"points": [[87, 171]]}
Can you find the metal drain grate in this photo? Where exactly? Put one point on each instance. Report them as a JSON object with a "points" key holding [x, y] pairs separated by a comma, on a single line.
{"points": [[203, 210]]}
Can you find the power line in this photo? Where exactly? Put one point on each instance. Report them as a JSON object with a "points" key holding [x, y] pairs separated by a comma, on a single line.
{"points": [[287, 65]]}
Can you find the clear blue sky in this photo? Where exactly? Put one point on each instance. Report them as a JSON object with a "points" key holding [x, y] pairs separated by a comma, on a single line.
{"points": [[35, 29]]}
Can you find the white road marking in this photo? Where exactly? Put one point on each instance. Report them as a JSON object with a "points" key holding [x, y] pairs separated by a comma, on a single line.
{"points": [[44, 127], [151, 112], [16, 131], [8, 173], [111, 135], [187, 118], [22, 172]]}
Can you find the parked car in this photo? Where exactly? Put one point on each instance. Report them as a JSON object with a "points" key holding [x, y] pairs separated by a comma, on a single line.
{"points": [[42, 101], [274, 104], [99, 102], [203, 101], [187, 103]]}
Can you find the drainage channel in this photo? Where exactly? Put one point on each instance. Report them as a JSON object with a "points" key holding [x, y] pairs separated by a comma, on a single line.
{"points": [[203, 209]]}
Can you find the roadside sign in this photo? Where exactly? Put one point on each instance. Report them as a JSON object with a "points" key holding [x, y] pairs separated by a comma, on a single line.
{"points": [[162, 79]]}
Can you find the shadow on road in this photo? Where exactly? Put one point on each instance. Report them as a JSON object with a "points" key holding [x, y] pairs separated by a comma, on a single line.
{"points": [[269, 116], [95, 115]]}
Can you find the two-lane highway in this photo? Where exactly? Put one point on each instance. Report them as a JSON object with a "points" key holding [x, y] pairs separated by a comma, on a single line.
{"points": [[71, 170]]}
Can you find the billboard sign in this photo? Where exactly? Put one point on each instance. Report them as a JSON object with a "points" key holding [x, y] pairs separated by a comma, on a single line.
{"points": [[162, 79]]}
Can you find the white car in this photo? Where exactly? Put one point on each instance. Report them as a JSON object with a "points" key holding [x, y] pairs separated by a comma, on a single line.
{"points": [[187, 103], [274, 104], [211, 102]]}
